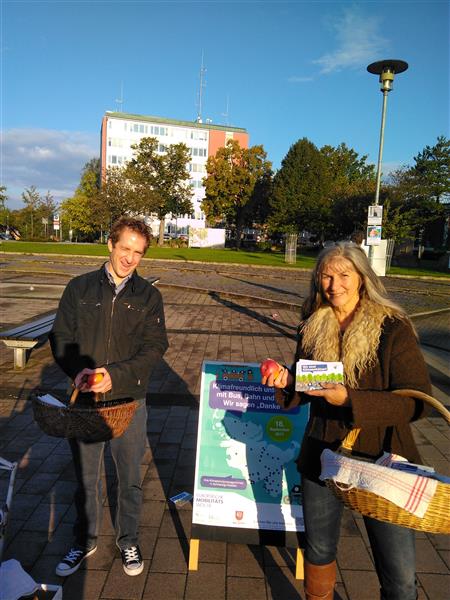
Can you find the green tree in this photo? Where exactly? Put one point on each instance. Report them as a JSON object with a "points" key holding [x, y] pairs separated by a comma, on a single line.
{"points": [[116, 197], [78, 214], [325, 191], [236, 185], [432, 170], [160, 182], [415, 195], [91, 177], [81, 213], [350, 185], [299, 201]]}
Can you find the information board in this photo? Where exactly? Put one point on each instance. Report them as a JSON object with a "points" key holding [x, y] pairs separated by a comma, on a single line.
{"points": [[245, 473]]}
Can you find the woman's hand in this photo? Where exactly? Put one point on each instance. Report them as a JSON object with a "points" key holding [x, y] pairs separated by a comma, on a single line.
{"points": [[280, 379], [334, 393]]}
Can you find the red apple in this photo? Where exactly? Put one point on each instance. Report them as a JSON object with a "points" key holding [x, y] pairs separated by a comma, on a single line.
{"points": [[269, 367], [94, 378]]}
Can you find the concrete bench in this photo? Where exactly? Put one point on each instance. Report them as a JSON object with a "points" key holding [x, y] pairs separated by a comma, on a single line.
{"points": [[25, 337]]}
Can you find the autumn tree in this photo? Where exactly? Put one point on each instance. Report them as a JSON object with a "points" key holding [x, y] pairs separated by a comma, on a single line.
{"points": [[236, 184]]}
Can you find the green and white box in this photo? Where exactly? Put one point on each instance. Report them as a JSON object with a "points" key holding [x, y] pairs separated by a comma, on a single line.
{"points": [[310, 374]]}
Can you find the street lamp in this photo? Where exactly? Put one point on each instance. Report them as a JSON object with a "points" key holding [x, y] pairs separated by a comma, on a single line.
{"points": [[386, 69]]}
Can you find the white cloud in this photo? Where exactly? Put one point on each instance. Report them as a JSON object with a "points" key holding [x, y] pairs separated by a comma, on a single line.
{"points": [[48, 159], [358, 42]]}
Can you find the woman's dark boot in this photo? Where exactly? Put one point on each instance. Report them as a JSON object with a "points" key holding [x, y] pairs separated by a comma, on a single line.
{"points": [[319, 581]]}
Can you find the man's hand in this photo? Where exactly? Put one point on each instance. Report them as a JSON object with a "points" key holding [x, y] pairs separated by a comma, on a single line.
{"points": [[334, 393], [85, 381]]}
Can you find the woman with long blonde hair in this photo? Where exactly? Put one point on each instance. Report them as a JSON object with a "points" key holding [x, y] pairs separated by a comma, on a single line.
{"points": [[348, 317]]}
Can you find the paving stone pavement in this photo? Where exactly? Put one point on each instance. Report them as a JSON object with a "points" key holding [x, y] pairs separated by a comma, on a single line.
{"points": [[218, 312]]}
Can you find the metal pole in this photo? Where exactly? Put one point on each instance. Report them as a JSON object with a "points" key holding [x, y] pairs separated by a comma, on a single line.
{"points": [[380, 150], [380, 159]]}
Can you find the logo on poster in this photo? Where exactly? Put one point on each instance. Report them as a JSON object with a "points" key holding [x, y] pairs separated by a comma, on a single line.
{"points": [[239, 515]]}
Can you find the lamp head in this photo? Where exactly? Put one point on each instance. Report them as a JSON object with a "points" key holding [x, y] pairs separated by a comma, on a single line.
{"points": [[387, 69]]}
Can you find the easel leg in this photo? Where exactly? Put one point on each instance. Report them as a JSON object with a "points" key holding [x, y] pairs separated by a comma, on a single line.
{"points": [[299, 565], [193, 554]]}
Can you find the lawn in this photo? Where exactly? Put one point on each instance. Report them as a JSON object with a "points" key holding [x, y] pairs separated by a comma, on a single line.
{"points": [[269, 259]]}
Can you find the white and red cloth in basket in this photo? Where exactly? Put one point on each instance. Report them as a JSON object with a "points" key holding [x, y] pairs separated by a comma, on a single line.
{"points": [[411, 492]]}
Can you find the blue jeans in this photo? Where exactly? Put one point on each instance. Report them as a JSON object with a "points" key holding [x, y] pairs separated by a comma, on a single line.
{"points": [[393, 547], [127, 452]]}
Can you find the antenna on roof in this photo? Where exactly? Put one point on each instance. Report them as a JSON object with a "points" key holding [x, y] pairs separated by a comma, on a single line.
{"points": [[119, 101], [226, 113], [200, 92]]}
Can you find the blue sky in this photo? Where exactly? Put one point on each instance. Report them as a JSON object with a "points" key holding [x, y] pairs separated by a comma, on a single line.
{"points": [[288, 69]]}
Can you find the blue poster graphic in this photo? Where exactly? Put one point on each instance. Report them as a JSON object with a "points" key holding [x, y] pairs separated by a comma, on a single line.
{"points": [[247, 445]]}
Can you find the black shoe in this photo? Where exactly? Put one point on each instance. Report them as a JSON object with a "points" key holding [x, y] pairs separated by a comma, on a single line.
{"points": [[132, 560], [72, 561]]}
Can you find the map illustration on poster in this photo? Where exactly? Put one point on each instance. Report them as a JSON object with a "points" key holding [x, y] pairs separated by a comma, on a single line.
{"points": [[245, 472]]}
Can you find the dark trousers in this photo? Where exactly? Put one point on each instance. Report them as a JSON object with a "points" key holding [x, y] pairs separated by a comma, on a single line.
{"points": [[393, 547], [127, 452]]}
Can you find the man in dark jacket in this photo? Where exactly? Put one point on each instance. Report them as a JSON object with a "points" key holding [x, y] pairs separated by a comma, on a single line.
{"points": [[111, 322]]}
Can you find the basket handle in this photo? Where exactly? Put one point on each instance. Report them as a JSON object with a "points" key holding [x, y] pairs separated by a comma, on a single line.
{"points": [[75, 393], [351, 437], [74, 396]]}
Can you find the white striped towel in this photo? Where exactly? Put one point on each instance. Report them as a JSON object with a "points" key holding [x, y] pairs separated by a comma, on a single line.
{"points": [[411, 492]]}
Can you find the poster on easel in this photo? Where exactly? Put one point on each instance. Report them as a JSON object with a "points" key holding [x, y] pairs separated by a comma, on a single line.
{"points": [[245, 473]]}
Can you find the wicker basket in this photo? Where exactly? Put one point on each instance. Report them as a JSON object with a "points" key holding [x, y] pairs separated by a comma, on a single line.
{"points": [[96, 423], [437, 516]]}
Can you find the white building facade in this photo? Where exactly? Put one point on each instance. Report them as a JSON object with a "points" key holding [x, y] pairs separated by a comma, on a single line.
{"points": [[121, 130]]}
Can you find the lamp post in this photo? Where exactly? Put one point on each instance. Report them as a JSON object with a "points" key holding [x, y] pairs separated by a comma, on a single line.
{"points": [[386, 69]]}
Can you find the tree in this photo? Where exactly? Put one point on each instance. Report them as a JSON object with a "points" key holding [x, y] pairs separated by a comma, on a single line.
{"points": [[299, 201], [116, 197], [82, 211], [45, 211], [324, 191], [350, 185], [415, 195], [237, 181], [77, 211], [432, 170], [31, 199], [3, 198], [160, 182], [4, 213]]}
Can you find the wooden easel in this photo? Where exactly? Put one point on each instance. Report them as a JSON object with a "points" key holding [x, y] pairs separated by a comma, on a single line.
{"points": [[194, 548]]}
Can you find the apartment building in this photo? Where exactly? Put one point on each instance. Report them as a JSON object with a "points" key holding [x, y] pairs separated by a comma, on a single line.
{"points": [[120, 131]]}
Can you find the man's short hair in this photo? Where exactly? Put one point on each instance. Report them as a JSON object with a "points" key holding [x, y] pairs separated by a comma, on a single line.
{"points": [[136, 225]]}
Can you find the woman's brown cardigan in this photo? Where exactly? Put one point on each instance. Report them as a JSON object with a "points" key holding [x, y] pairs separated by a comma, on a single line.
{"points": [[384, 417]]}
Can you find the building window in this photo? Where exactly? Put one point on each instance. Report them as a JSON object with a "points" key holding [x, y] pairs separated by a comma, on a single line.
{"points": [[198, 134]]}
